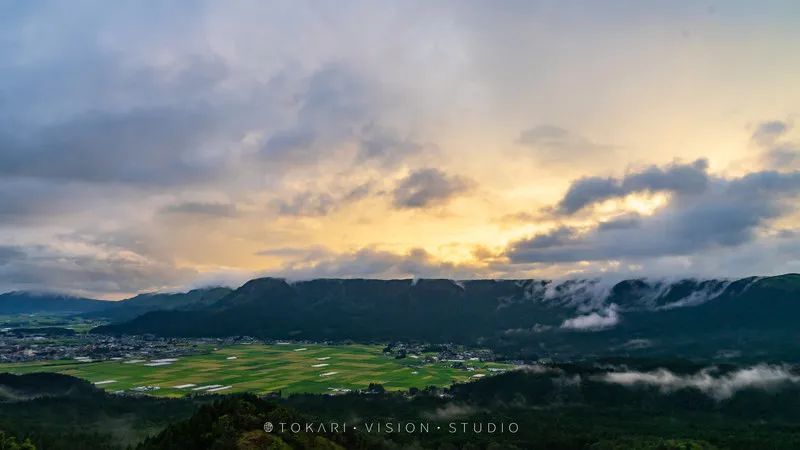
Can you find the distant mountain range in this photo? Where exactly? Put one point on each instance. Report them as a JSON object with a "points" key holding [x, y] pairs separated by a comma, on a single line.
{"points": [[30, 302], [751, 317], [140, 304]]}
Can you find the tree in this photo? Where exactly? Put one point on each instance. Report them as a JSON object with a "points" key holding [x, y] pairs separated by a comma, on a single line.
{"points": [[10, 443]]}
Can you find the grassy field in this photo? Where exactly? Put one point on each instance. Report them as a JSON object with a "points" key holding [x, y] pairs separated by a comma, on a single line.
{"points": [[265, 368]]}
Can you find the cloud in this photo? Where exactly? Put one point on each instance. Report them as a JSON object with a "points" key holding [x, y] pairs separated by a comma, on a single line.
{"points": [[553, 143], [187, 106], [555, 238], [777, 152], [676, 178], [336, 109], [328, 112], [373, 263], [31, 203], [297, 253], [721, 387], [428, 187], [518, 217], [94, 271], [388, 147], [152, 146], [306, 204], [783, 156], [359, 192], [622, 222], [535, 329], [9, 254], [289, 141], [317, 204], [594, 321], [768, 132], [23, 200], [699, 296], [637, 344], [725, 213], [211, 209]]}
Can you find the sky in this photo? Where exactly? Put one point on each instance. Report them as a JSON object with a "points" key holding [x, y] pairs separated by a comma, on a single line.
{"points": [[153, 146]]}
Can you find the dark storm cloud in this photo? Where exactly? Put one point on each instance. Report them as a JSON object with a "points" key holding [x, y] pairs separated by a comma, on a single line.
{"points": [[727, 213], [426, 187], [676, 178]]}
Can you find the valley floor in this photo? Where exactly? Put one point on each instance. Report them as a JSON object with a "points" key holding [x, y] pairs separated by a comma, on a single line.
{"points": [[264, 368]]}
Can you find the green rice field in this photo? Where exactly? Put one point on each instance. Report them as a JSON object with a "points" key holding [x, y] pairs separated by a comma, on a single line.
{"points": [[260, 368]]}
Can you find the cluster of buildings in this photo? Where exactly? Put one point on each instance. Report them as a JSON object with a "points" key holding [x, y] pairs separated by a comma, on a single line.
{"points": [[93, 347], [430, 353]]}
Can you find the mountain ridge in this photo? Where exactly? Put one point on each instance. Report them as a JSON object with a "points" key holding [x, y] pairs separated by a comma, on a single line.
{"points": [[531, 316], [22, 302], [26, 302]]}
